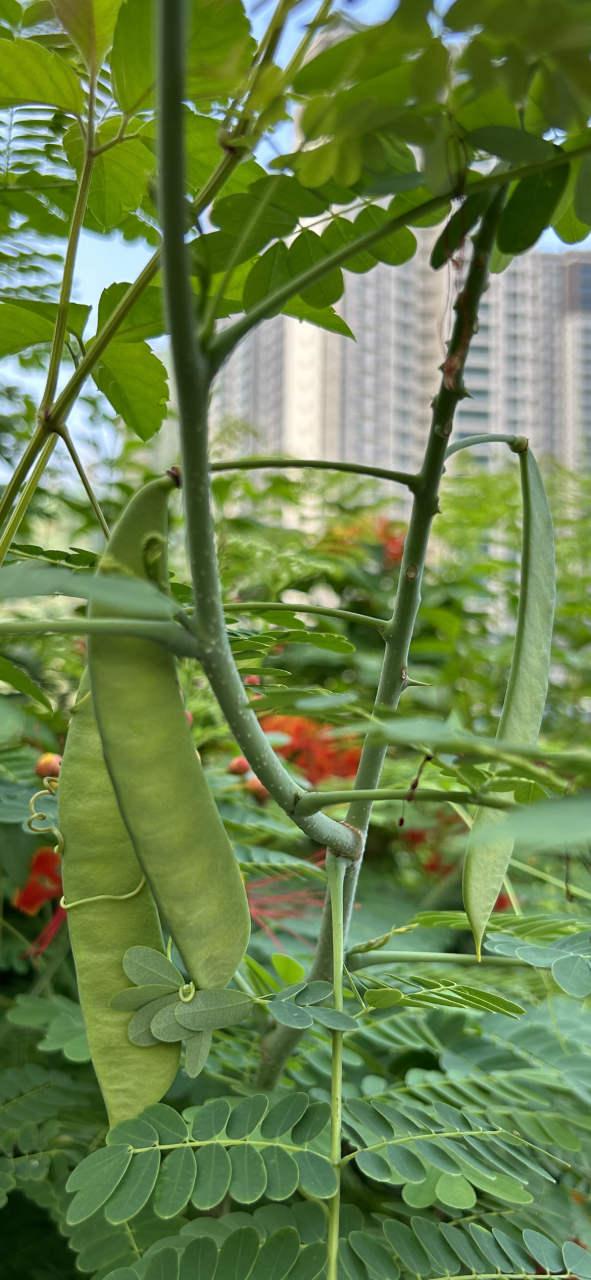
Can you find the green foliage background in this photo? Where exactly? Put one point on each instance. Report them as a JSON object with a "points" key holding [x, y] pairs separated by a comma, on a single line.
{"points": [[481, 1078]]}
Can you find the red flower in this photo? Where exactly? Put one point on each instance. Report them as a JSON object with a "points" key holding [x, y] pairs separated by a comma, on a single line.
{"points": [[391, 537], [52, 928], [313, 748], [503, 901], [269, 908], [44, 883], [414, 837]]}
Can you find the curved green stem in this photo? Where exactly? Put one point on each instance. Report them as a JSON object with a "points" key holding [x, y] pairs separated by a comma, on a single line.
{"points": [[267, 606], [335, 868], [280, 1042], [517, 444], [314, 801], [193, 380], [356, 468], [362, 960], [92, 498], [59, 333], [168, 634], [20, 510]]}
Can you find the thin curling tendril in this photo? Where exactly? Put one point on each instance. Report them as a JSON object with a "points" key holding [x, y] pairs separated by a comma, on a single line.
{"points": [[103, 897], [49, 787]]}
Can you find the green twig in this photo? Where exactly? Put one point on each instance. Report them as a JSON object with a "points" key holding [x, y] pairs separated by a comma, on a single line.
{"points": [[61, 323], [362, 960], [30, 488], [266, 606], [335, 868], [168, 634], [356, 468], [517, 444], [544, 875], [280, 1043], [314, 801], [73, 452], [193, 380]]}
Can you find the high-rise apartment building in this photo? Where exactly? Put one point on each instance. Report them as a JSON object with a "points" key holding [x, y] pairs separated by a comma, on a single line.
{"points": [[310, 393]]}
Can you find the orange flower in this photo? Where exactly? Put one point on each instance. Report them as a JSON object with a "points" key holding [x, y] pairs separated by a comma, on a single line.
{"points": [[44, 883], [391, 537], [313, 748]]}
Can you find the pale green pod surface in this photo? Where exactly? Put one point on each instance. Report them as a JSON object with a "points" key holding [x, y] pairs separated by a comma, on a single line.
{"points": [[487, 860], [99, 858], [163, 795]]}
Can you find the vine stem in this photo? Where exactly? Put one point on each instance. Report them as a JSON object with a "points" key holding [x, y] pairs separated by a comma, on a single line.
{"points": [[355, 468], [43, 441], [21, 507], [193, 373], [335, 869], [59, 332], [280, 1042]]}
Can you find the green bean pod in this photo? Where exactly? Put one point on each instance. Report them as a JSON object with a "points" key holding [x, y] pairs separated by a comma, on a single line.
{"points": [[99, 858], [487, 859], [163, 795]]}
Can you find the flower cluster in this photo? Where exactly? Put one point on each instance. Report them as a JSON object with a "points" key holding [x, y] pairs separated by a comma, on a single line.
{"points": [[313, 749], [43, 884]]}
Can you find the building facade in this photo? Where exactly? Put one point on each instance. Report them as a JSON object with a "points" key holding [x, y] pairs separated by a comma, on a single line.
{"points": [[302, 391]]}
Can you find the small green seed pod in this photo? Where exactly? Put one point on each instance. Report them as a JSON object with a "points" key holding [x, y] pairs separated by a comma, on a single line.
{"points": [[163, 795], [99, 859]]}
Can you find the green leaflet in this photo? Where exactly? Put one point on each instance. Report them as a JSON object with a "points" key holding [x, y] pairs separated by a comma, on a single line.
{"points": [[133, 69], [317, 1176], [176, 1180], [277, 1255], [208, 1010], [30, 73], [529, 209], [210, 1120], [374, 1254], [199, 1260], [313, 1123], [135, 1188], [249, 1175], [487, 861], [197, 1049], [310, 1262], [135, 382], [282, 1173], [284, 1115], [164, 1265], [213, 1176], [169, 1125], [245, 1118]]}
